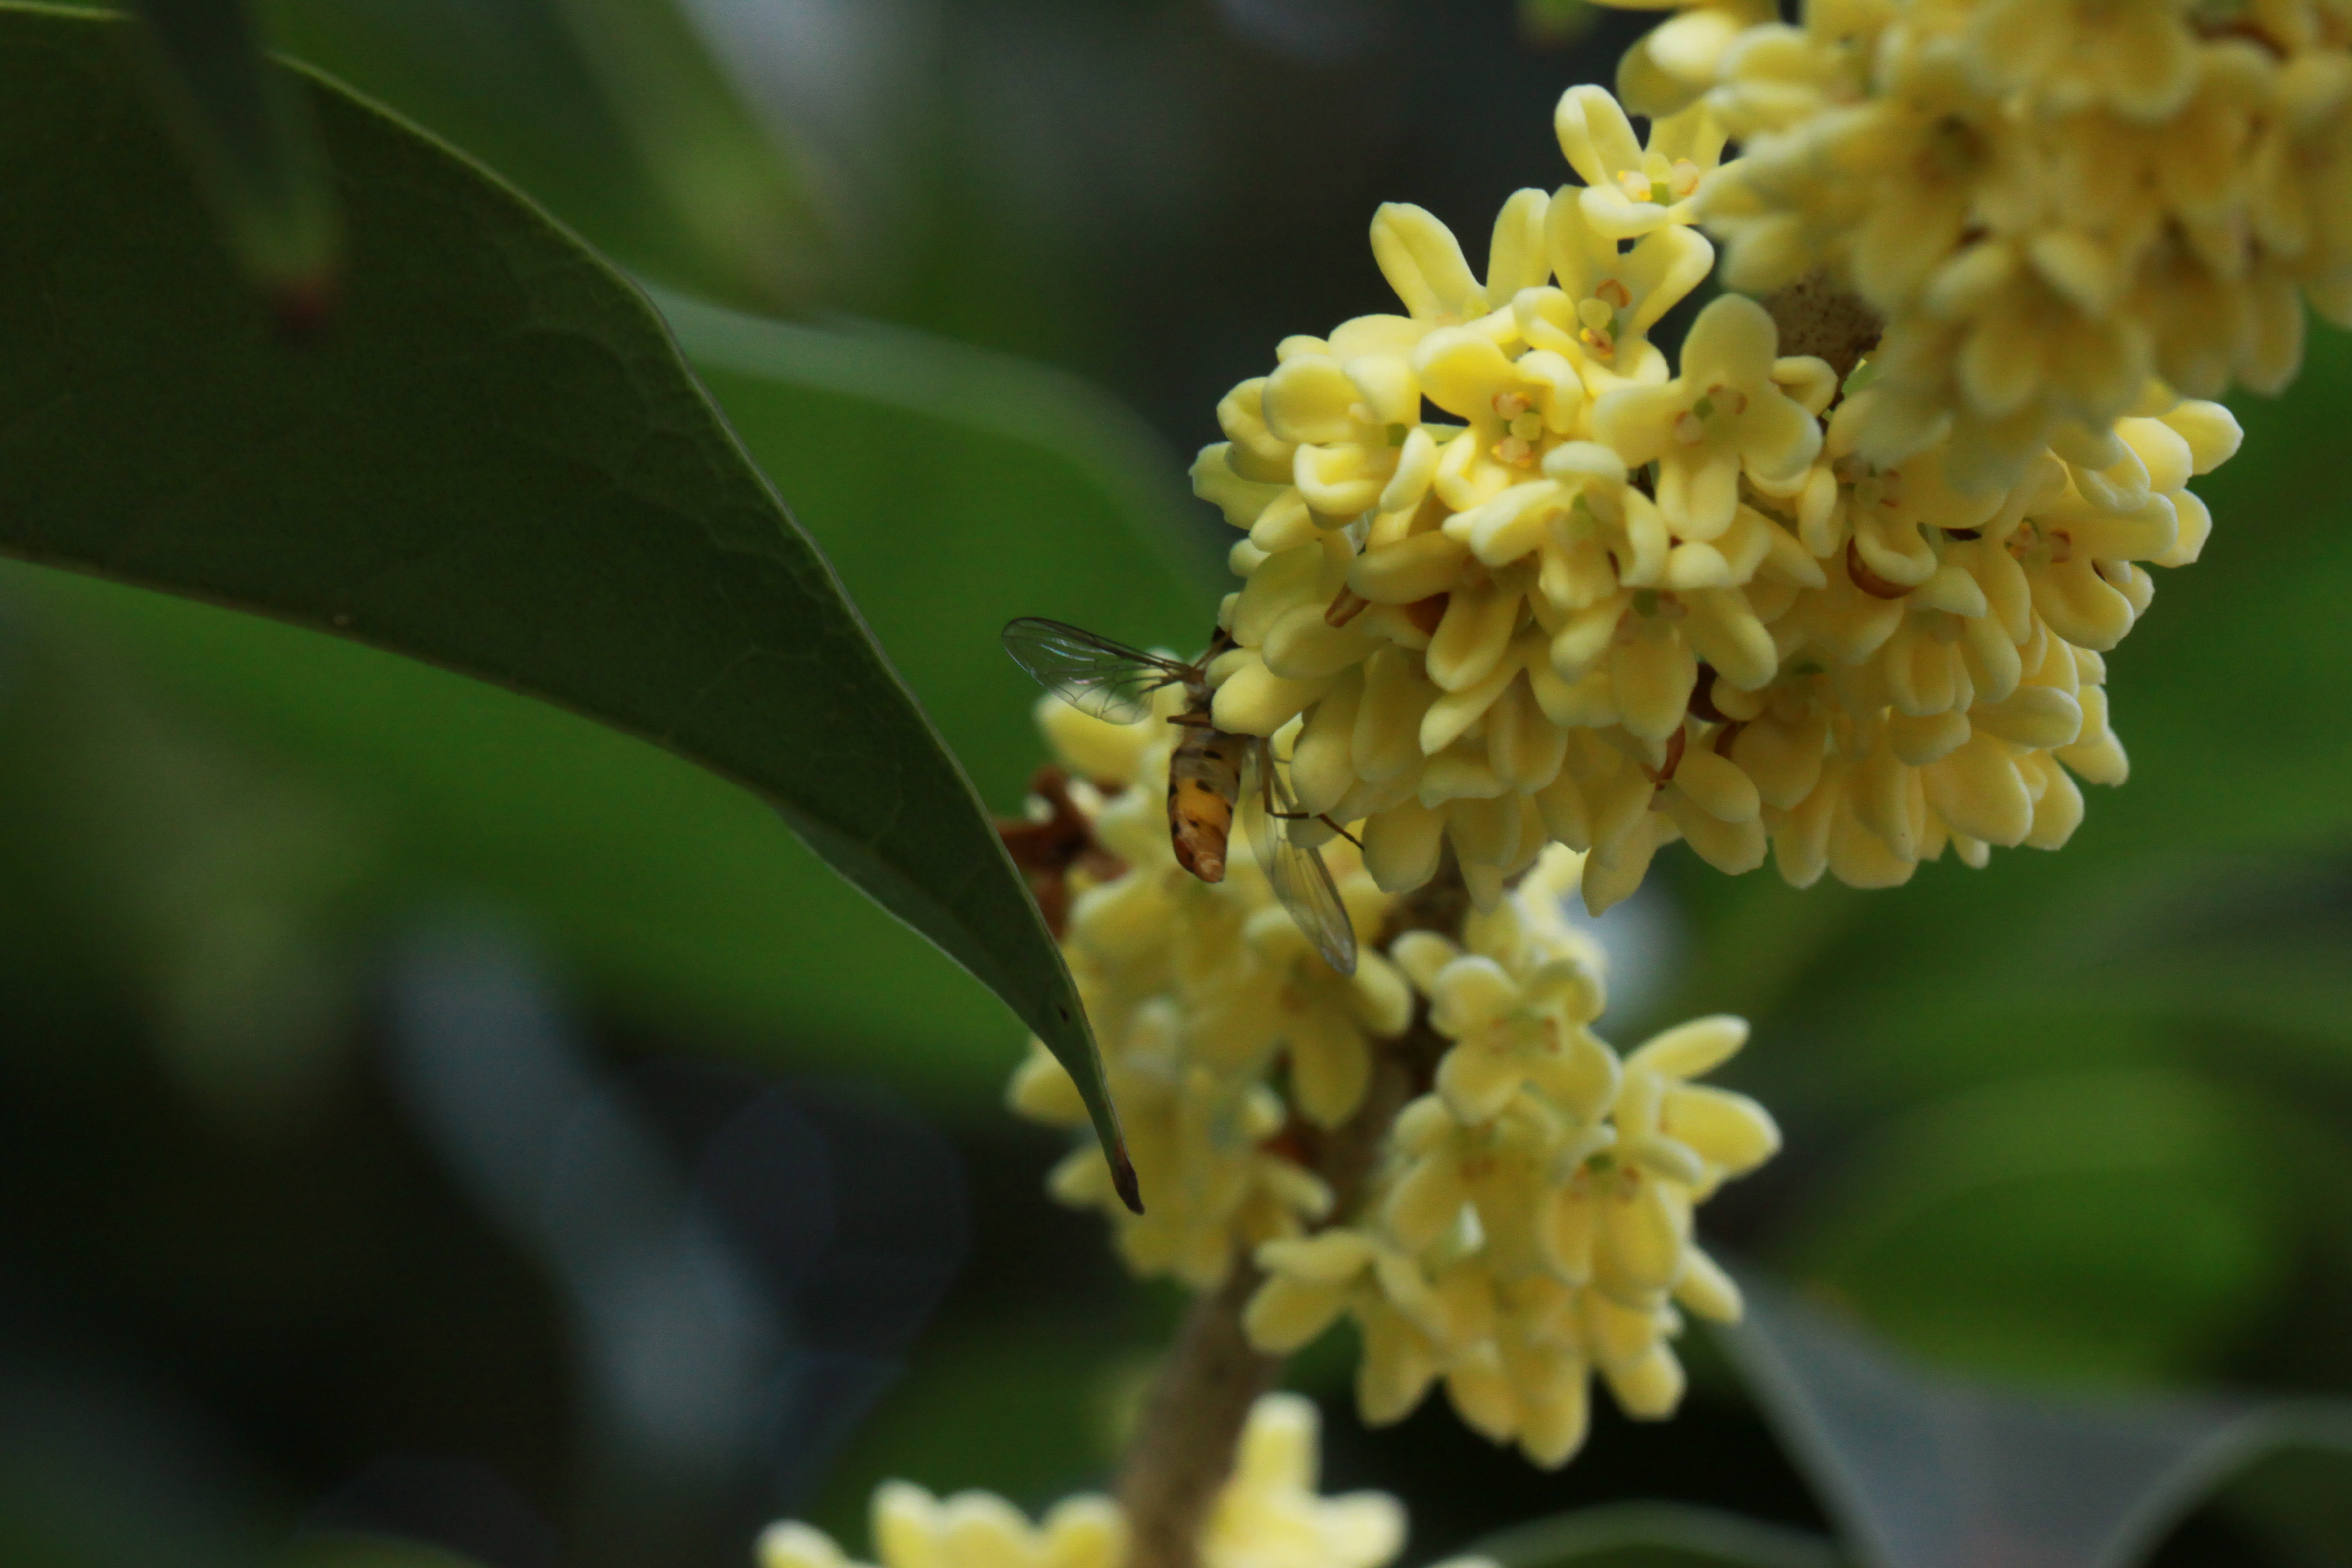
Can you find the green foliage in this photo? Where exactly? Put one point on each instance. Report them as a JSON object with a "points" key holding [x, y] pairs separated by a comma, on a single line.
{"points": [[497, 464], [611, 112], [1655, 1535], [251, 144]]}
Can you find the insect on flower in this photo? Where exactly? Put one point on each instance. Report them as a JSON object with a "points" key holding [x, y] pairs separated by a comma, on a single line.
{"points": [[1212, 774]]}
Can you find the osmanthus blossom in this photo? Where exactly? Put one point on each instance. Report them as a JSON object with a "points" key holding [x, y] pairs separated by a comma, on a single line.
{"points": [[1197, 992], [1616, 604], [1268, 1514], [1531, 1226], [2048, 203]]}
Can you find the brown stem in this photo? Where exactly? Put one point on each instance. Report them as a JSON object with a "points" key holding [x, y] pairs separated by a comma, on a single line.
{"points": [[1183, 1449]]}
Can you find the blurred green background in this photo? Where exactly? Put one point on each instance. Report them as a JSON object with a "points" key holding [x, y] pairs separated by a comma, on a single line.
{"points": [[284, 1262]]}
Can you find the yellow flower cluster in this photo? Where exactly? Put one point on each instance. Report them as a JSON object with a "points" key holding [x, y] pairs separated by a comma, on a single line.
{"points": [[1532, 1223], [1196, 991], [1597, 601], [1267, 1516], [2049, 202]]}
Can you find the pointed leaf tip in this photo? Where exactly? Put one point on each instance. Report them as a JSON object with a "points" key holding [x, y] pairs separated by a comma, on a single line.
{"points": [[1122, 1175]]}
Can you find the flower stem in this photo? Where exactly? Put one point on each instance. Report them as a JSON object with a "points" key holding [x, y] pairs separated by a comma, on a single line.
{"points": [[1184, 1448]]}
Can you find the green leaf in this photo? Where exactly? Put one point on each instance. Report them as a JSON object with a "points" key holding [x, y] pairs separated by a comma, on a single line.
{"points": [[735, 189], [2086, 1225], [1654, 1535], [498, 463], [1922, 1470], [613, 114], [252, 146]]}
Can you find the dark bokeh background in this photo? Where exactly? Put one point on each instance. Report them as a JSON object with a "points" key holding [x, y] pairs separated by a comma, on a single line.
{"points": [[423, 1113]]}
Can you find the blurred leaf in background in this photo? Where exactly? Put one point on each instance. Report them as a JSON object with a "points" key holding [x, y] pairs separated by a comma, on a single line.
{"points": [[610, 111], [247, 133]]}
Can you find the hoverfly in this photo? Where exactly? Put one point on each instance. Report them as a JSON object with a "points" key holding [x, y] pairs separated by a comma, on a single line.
{"points": [[1213, 773]]}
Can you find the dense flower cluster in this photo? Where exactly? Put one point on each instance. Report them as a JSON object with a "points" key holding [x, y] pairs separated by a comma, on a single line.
{"points": [[1267, 1516], [1528, 1221], [2047, 200], [1596, 601], [1532, 1223], [1196, 992]]}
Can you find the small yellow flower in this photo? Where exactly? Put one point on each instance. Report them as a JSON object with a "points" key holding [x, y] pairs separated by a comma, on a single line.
{"points": [[1630, 189], [2137, 57], [1531, 1221], [1267, 1515], [912, 1529], [1723, 418]]}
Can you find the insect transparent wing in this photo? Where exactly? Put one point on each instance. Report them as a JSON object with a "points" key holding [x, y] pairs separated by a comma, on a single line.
{"points": [[1092, 674], [1301, 880]]}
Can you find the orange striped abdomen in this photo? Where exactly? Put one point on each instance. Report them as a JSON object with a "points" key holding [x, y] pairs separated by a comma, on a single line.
{"points": [[1204, 781]]}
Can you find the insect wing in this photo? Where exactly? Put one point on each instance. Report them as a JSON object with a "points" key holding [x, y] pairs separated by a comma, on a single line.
{"points": [[1092, 674], [1301, 880]]}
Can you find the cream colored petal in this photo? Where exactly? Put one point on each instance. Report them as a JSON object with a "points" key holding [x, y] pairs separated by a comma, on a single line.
{"points": [[1733, 341], [1398, 1367], [1724, 631], [1611, 211], [1461, 370], [1649, 1389], [1637, 422], [1359, 1530], [1085, 1532], [1717, 785], [1241, 499], [1662, 271], [1652, 678], [1255, 701], [789, 1543], [1334, 1257], [1638, 1251], [1517, 257], [1308, 399], [1552, 1429], [905, 1522], [1471, 642], [1732, 848], [1704, 1289], [1691, 1049], [1980, 792], [1728, 1130], [1778, 439], [1422, 262], [1285, 1314], [1330, 1066], [1401, 846], [1303, 645], [1594, 134], [1478, 1084], [1341, 480]]}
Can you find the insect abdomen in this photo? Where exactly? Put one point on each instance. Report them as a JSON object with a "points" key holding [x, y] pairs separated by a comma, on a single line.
{"points": [[1205, 780]]}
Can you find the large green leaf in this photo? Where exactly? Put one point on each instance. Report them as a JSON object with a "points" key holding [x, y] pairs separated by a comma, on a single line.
{"points": [[498, 463]]}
